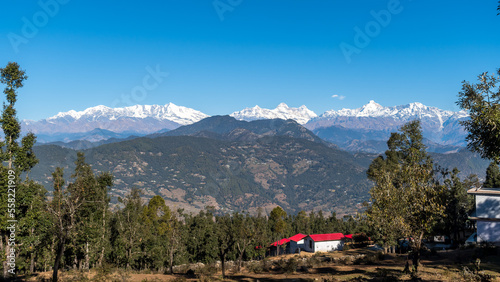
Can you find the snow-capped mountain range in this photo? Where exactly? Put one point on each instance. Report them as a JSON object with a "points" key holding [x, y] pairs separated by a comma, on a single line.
{"points": [[170, 111], [394, 115], [142, 119], [301, 114], [406, 112], [348, 128]]}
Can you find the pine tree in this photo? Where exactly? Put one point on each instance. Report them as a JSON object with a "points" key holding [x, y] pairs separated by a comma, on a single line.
{"points": [[277, 221], [79, 213], [19, 158], [225, 238]]}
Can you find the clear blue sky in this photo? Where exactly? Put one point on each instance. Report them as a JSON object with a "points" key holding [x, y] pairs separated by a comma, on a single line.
{"points": [[80, 54]]}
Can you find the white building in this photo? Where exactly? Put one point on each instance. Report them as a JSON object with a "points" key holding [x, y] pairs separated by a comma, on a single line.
{"points": [[296, 242], [487, 214], [324, 242]]}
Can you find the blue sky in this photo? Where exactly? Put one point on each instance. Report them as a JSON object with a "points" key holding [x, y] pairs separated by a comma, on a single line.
{"points": [[222, 56]]}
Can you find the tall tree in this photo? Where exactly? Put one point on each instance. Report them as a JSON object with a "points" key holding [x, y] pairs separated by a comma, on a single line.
{"points": [[482, 101], [277, 220], [201, 242], [164, 237], [19, 158], [245, 234], [77, 212], [34, 225], [225, 236], [406, 197], [174, 235], [127, 230]]}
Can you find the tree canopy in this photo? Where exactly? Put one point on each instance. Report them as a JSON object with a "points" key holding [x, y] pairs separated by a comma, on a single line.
{"points": [[406, 198], [482, 101]]}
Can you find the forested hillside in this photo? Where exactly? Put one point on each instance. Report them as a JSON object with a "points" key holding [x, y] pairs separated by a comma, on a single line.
{"points": [[193, 172]]}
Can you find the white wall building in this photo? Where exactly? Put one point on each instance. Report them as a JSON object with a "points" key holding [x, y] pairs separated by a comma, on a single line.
{"points": [[487, 214], [324, 242]]}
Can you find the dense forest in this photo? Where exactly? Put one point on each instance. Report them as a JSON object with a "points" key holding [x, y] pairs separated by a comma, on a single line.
{"points": [[76, 229]]}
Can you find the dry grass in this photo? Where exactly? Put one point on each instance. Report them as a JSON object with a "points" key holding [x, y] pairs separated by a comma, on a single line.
{"points": [[443, 266]]}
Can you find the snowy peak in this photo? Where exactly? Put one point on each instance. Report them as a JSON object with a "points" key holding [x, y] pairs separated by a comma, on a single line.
{"points": [[370, 108], [169, 112], [301, 114], [405, 112]]}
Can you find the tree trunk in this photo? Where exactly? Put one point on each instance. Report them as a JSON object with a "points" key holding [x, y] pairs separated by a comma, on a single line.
{"points": [[416, 260], [101, 259], [87, 257], [416, 255], [32, 263], [240, 259], [172, 260], [60, 251], [128, 259], [222, 261], [278, 247]]}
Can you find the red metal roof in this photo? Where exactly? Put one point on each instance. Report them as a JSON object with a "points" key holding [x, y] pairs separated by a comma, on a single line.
{"points": [[297, 237], [281, 242], [349, 236], [327, 237]]}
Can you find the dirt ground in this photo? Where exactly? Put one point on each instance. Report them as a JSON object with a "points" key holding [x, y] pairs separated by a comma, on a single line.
{"points": [[439, 266]]}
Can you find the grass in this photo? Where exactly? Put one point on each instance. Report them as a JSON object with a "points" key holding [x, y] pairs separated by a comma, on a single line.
{"points": [[363, 265]]}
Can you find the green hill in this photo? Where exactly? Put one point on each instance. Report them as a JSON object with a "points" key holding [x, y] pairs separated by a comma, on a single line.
{"points": [[193, 171]]}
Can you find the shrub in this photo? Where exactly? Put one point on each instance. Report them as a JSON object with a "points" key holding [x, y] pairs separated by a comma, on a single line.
{"points": [[312, 262], [208, 270], [291, 266], [266, 265], [347, 260], [471, 276], [280, 264], [104, 273], [255, 267]]}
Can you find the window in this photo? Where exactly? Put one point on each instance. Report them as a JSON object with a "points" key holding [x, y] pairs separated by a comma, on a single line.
{"points": [[310, 244]]}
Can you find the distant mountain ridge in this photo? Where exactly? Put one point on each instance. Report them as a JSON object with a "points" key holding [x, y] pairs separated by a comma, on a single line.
{"points": [[363, 129], [402, 114], [351, 129], [143, 119], [301, 114], [230, 129]]}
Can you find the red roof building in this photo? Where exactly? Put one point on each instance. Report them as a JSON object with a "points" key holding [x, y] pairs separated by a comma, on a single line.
{"points": [[280, 242], [324, 242], [327, 237], [297, 237]]}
